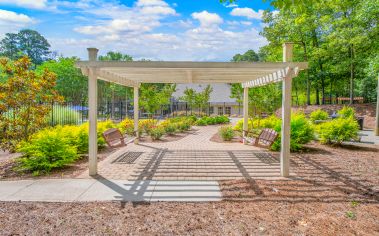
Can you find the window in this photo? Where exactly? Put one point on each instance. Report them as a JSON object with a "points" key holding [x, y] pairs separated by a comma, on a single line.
{"points": [[211, 110], [220, 111], [228, 111]]}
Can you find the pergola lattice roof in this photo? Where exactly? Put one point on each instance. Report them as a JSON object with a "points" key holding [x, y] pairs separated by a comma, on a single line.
{"points": [[134, 73]]}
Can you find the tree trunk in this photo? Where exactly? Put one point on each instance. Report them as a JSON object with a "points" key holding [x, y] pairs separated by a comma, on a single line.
{"points": [[308, 79], [351, 74], [317, 96]]}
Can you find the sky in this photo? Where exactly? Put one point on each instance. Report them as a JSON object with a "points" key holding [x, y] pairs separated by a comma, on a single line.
{"points": [[171, 30]]}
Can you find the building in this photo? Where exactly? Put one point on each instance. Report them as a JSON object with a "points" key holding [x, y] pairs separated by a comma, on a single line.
{"points": [[220, 102]]}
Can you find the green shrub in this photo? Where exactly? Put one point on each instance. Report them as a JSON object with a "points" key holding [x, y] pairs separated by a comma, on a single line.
{"points": [[301, 132], [183, 126], [210, 120], [318, 115], [156, 132], [46, 150], [269, 122], [346, 112], [338, 130], [170, 128], [62, 115], [221, 120], [226, 133], [201, 122], [239, 125]]}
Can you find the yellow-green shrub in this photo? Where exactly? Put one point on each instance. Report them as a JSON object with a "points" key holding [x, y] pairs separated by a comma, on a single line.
{"points": [[318, 115], [239, 125], [301, 132], [338, 130], [156, 132], [346, 112], [46, 150]]}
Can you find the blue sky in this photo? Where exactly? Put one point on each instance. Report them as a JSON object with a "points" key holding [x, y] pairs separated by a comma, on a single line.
{"points": [[191, 30]]}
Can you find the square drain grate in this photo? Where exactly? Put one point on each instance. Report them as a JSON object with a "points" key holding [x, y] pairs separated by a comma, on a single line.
{"points": [[128, 158]]}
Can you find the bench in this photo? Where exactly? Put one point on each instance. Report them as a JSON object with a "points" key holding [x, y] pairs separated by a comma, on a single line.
{"points": [[265, 139], [114, 138]]}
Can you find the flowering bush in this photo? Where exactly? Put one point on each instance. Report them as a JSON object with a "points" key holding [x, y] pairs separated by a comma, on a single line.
{"points": [[146, 125], [226, 133], [156, 132]]}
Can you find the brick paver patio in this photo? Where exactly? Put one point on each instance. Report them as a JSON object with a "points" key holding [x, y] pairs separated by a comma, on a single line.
{"points": [[193, 157]]}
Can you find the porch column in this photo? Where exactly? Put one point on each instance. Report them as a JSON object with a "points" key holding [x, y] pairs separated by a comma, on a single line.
{"points": [[377, 111], [136, 111], [92, 113], [245, 113], [286, 115]]}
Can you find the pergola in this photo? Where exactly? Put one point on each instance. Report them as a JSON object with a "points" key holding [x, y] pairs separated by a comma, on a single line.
{"points": [[132, 74]]}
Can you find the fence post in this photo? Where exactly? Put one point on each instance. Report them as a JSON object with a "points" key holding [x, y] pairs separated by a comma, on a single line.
{"points": [[52, 113]]}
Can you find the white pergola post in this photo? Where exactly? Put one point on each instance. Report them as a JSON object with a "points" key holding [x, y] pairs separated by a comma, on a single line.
{"points": [[286, 114], [92, 113], [377, 110], [136, 111], [245, 113]]}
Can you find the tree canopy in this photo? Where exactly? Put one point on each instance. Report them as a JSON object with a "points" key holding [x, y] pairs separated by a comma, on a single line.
{"points": [[26, 42]]}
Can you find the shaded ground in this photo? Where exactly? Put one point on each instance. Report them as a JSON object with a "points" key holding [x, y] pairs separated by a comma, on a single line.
{"points": [[335, 192]]}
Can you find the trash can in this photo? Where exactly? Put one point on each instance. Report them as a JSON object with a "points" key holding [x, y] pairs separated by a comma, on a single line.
{"points": [[360, 120]]}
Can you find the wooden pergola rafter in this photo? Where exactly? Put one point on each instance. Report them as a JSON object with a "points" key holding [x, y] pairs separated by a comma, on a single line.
{"points": [[132, 74]]}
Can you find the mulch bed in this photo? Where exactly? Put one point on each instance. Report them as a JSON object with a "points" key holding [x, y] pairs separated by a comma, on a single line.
{"points": [[7, 166], [168, 138], [217, 139], [335, 192]]}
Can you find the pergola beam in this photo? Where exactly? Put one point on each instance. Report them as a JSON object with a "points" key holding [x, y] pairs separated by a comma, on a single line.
{"points": [[188, 65]]}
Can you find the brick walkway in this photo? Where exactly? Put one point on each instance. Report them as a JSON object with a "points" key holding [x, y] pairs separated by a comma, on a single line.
{"points": [[193, 157]]}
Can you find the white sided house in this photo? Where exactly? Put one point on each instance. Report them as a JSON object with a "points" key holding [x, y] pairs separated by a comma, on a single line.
{"points": [[220, 102]]}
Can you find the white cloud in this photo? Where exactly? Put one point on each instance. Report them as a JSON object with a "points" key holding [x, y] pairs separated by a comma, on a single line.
{"points": [[158, 10], [143, 3], [230, 5], [247, 12], [133, 30], [207, 19], [11, 21], [35, 4]]}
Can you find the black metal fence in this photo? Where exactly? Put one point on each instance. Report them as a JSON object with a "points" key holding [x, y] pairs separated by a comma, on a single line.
{"points": [[77, 113]]}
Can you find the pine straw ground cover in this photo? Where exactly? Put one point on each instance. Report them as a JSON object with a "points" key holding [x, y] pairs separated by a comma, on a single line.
{"points": [[335, 192]]}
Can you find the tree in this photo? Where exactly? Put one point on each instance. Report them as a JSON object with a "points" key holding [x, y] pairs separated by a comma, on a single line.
{"points": [[24, 100], [197, 99], [115, 56], [153, 96], [337, 38], [107, 89], [26, 42], [71, 84], [261, 99], [249, 56]]}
